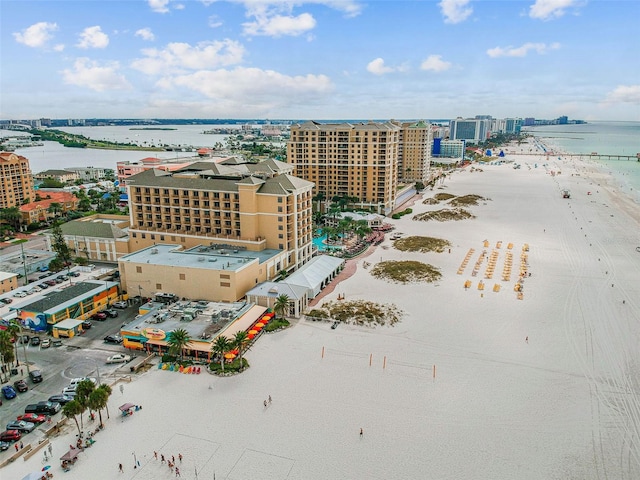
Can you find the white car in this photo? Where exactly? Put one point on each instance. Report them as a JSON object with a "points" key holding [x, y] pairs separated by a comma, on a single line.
{"points": [[19, 294], [119, 358], [120, 304], [46, 343]]}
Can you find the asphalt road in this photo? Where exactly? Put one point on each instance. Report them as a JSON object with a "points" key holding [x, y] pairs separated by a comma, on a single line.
{"points": [[84, 355]]}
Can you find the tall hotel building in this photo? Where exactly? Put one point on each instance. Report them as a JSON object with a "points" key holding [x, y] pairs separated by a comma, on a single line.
{"points": [[16, 181], [250, 207], [349, 160], [414, 155]]}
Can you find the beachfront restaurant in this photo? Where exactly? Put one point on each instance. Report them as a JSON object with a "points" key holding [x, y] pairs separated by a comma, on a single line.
{"points": [[151, 332], [77, 302]]}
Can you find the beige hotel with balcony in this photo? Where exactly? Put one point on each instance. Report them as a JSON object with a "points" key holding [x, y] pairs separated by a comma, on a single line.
{"points": [[252, 207], [16, 181], [364, 160]]}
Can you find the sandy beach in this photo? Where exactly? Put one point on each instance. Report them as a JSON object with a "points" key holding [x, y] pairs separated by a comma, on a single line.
{"points": [[471, 384]]}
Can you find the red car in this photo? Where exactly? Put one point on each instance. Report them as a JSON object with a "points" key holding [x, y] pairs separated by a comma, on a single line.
{"points": [[100, 316], [10, 436], [33, 418]]}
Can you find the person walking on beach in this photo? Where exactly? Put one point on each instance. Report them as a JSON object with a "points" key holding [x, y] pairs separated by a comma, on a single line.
{"points": [[178, 472], [161, 458], [180, 457], [120, 468], [155, 454], [269, 399], [265, 404], [527, 339], [173, 459], [361, 433]]}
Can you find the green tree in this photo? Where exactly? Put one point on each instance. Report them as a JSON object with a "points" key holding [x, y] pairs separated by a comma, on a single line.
{"points": [[55, 208], [71, 410], [281, 305], [11, 216], [83, 391], [220, 346], [107, 391], [240, 341], [97, 401], [178, 340], [59, 245], [13, 329], [51, 183], [319, 197]]}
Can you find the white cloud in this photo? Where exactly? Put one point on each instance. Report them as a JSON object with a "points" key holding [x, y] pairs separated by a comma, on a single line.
{"points": [[37, 35], [278, 25], [184, 56], [548, 9], [145, 34], [89, 74], [250, 86], [455, 11], [214, 21], [59, 47], [159, 6], [434, 63], [377, 67], [522, 51], [624, 94], [93, 37]]}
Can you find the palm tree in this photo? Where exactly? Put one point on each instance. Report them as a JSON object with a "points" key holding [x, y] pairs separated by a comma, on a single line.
{"points": [[54, 208], [97, 401], [107, 392], [319, 197], [6, 348], [240, 341], [281, 305], [178, 340], [219, 347], [71, 409], [13, 329], [83, 391]]}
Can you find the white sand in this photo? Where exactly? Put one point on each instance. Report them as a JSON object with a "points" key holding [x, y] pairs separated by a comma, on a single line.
{"points": [[564, 405]]}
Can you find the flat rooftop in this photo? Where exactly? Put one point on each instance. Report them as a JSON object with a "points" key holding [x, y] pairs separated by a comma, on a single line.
{"points": [[212, 257], [51, 302]]}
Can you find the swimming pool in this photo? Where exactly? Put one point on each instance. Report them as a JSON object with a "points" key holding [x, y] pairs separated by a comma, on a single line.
{"points": [[321, 246]]}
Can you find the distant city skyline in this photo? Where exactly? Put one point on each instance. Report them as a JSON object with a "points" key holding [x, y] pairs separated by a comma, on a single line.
{"points": [[319, 59]]}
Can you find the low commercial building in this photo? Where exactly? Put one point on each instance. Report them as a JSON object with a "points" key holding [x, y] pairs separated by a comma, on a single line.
{"points": [[78, 302], [50, 205], [214, 272], [104, 238], [90, 174], [63, 176], [8, 281]]}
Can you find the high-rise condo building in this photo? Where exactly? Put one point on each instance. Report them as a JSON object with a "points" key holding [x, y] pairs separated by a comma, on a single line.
{"points": [[354, 161], [16, 181], [473, 130], [414, 151], [252, 206]]}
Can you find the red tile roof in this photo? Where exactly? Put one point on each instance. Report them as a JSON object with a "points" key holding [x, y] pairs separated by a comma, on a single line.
{"points": [[54, 197]]}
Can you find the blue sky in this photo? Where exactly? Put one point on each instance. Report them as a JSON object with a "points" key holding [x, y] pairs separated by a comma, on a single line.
{"points": [[320, 59]]}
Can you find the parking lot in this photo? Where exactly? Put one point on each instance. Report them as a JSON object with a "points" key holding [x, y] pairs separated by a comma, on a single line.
{"points": [[83, 355]]}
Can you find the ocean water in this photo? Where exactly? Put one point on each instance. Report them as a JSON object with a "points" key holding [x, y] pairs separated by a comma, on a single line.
{"points": [[605, 138]]}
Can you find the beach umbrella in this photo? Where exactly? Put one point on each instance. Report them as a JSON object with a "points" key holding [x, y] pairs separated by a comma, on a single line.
{"points": [[229, 356], [250, 336], [252, 332], [126, 406], [46, 467], [260, 324]]}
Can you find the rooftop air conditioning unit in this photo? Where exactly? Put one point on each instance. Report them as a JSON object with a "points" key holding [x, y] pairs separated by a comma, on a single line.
{"points": [[213, 259], [201, 259], [154, 251]]}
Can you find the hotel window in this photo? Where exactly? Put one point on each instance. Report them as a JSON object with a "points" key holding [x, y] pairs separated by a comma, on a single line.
{"points": [[138, 269], [225, 284], [158, 286], [183, 276]]}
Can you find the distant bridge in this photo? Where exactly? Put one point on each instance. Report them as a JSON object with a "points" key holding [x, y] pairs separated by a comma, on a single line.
{"points": [[593, 156]]}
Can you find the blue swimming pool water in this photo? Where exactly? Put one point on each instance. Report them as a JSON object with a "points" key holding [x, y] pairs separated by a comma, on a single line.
{"points": [[321, 246]]}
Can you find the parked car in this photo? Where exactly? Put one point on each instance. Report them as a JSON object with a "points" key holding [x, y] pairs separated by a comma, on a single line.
{"points": [[77, 380], [56, 342], [43, 286], [100, 316], [9, 392], [111, 313], [20, 386], [62, 399], [4, 446], [25, 339], [119, 358], [46, 343], [63, 277], [36, 289], [44, 275], [86, 325], [70, 391], [51, 282], [121, 304], [33, 418], [48, 408], [35, 341], [10, 436], [113, 339], [20, 294], [36, 376], [74, 274], [6, 301], [21, 426]]}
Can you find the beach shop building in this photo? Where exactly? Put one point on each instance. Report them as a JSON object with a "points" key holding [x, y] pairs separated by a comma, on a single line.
{"points": [[49, 311]]}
